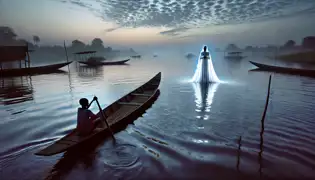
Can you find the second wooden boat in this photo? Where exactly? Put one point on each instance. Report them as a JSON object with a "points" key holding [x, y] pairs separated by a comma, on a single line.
{"points": [[102, 63], [32, 70], [119, 114], [286, 70]]}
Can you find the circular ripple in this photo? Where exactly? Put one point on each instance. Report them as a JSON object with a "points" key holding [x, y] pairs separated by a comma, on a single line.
{"points": [[121, 155]]}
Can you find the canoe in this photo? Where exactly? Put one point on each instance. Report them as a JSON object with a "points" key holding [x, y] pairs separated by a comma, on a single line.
{"points": [[136, 56], [119, 114], [285, 70], [235, 57], [33, 70], [104, 63]]}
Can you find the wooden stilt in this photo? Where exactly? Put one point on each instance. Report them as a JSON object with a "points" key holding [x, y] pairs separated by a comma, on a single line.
{"points": [[28, 58]]}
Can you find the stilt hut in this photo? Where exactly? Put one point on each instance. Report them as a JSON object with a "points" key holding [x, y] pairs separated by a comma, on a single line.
{"points": [[17, 53]]}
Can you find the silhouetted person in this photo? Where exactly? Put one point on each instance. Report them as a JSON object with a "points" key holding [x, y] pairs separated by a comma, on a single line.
{"points": [[86, 122], [204, 68], [205, 54]]}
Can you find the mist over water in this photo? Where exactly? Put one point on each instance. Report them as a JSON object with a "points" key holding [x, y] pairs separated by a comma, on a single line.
{"points": [[191, 131]]}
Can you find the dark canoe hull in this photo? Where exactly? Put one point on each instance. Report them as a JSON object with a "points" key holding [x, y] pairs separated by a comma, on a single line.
{"points": [[285, 70], [119, 114], [235, 57], [104, 63], [33, 70]]}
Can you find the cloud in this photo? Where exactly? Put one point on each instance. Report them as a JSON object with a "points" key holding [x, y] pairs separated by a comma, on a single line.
{"points": [[191, 13], [174, 32], [111, 29]]}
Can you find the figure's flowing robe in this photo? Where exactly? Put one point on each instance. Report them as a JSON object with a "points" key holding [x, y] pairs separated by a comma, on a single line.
{"points": [[205, 71]]}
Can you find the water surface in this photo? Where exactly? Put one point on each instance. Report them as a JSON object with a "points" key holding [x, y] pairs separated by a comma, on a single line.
{"points": [[191, 131]]}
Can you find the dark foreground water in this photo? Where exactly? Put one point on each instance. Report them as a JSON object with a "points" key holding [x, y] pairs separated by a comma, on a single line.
{"points": [[190, 131]]}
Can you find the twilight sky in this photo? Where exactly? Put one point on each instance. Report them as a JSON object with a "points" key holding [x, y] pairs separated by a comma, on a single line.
{"points": [[147, 22]]}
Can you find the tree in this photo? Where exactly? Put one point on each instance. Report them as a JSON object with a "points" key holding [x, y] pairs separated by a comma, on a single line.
{"points": [[309, 42], [97, 43], [36, 40], [76, 44], [289, 44], [249, 48], [232, 47], [7, 34]]}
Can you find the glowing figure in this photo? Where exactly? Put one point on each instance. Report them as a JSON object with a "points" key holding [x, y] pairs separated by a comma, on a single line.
{"points": [[205, 72]]}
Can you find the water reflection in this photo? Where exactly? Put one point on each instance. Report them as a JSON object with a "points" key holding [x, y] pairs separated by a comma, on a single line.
{"points": [[16, 90], [204, 93], [86, 71], [261, 146]]}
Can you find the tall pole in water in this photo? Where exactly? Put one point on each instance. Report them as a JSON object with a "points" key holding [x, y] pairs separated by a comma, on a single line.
{"points": [[64, 44]]}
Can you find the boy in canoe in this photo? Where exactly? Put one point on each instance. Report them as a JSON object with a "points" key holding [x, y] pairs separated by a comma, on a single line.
{"points": [[86, 120]]}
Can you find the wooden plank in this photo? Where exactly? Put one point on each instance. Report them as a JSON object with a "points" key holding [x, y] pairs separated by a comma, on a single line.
{"points": [[138, 94], [139, 99], [121, 113], [130, 103]]}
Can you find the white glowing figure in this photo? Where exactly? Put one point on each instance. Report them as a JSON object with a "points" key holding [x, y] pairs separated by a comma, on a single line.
{"points": [[205, 71]]}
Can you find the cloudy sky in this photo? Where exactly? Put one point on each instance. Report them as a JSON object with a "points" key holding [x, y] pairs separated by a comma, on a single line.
{"points": [[146, 22]]}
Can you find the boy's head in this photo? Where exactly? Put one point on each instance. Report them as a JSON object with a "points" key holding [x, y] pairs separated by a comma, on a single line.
{"points": [[84, 102]]}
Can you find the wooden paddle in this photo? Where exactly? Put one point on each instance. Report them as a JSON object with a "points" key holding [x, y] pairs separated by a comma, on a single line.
{"points": [[103, 116]]}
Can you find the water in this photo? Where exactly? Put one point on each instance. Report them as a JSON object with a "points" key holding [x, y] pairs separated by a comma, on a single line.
{"points": [[190, 131]]}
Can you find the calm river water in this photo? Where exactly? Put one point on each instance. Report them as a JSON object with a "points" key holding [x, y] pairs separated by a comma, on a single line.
{"points": [[189, 132]]}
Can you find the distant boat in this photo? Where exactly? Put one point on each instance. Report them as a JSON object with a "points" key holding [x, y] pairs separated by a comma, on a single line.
{"points": [[155, 55], [234, 55], [286, 70], [89, 55], [136, 56], [101, 63], [33, 70]]}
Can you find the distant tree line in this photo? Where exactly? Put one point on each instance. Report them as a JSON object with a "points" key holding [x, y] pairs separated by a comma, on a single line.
{"points": [[9, 37], [307, 43]]}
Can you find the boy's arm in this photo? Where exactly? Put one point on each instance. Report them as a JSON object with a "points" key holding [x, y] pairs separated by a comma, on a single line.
{"points": [[92, 115]]}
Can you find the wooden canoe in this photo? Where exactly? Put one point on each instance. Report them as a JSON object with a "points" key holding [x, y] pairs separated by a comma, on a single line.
{"points": [[136, 56], [104, 63], [285, 70], [33, 70], [235, 57], [119, 114]]}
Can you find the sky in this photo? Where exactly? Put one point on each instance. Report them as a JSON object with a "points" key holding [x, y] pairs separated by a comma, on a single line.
{"points": [[160, 22]]}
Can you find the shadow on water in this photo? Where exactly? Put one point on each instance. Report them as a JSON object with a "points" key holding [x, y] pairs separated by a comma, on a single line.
{"points": [[16, 90], [85, 155], [238, 161]]}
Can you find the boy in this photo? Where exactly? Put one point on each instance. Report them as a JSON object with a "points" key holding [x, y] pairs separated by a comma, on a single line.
{"points": [[86, 118]]}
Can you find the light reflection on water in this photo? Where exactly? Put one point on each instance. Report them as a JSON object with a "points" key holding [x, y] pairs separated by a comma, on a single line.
{"points": [[191, 131]]}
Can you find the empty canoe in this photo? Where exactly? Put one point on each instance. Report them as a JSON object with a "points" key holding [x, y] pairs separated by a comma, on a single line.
{"points": [[98, 63], [33, 70], [286, 70], [119, 114]]}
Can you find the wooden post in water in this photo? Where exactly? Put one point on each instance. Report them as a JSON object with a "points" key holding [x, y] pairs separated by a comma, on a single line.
{"points": [[267, 100], [64, 44], [28, 59], [238, 154], [263, 129]]}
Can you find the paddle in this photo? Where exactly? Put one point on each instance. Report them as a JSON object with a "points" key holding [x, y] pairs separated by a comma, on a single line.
{"points": [[103, 116]]}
